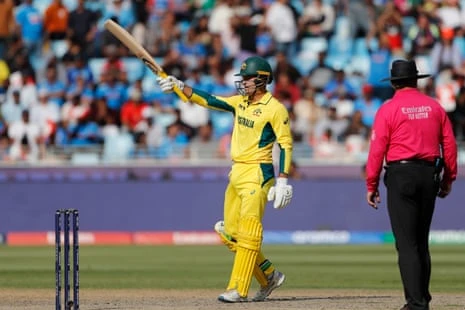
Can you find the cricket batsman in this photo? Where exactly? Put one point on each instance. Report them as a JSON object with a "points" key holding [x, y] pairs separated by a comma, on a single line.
{"points": [[260, 120]]}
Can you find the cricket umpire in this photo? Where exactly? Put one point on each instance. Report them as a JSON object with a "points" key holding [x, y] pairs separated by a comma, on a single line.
{"points": [[260, 120], [414, 136]]}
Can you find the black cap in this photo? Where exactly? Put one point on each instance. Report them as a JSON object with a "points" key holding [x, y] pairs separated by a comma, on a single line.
{"points": [[403, 70]]}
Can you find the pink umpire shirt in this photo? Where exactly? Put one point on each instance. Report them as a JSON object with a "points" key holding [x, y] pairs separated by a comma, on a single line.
{"points": [[411, 125]]}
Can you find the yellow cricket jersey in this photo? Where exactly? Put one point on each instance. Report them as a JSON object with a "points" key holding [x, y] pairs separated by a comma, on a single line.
{"points": [[256, 127]]}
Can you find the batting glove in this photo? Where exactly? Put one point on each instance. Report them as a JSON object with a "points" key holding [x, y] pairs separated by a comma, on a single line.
{"points": [[281, 193], [168, 83]]}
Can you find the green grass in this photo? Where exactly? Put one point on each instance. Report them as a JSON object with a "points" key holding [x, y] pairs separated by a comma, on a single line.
{"points": [[190, 267]]}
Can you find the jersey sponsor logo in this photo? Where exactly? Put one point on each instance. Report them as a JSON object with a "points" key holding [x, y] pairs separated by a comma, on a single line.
{"points": [[242, 107], [257, 112], [245, 121], [413, 113]]}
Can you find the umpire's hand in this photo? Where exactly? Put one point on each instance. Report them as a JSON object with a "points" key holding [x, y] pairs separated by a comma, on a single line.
{"points": [[444, 190], [373, 199]]}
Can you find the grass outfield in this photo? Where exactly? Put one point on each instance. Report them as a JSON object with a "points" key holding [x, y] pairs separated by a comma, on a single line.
{"points": [[204, 267]]}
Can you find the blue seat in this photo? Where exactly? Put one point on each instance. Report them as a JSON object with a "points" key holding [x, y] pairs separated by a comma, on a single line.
{"points": [[339, 52], [407, 23], [360, 47], [96, 65], [310, 47], [71, 4], [304, 65], [460, 43], [359, 64], [342, 27], [135, 68], [41, 5], [59, 47]]}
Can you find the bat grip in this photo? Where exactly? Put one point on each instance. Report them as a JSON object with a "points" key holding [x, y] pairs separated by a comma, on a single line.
{"points": [[176, 89]]}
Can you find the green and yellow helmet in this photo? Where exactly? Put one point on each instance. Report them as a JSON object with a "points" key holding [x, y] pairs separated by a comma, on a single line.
{"points": [[257, 66]]}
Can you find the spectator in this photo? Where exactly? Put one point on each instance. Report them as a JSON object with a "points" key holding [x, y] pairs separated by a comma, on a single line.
{"points": [[380, 60], [320, 75], [283, 65], [331, 121], [339, 87], [356, 136], [360, 27], [445, 53], [367, 105], [7, 24], [285, 84], [30, 22], [82, 27], [73, 110], [46, 115], [114, 63], [328, 147], [317, 20], [132, 111], [12, 109], [220, 23], [85, 132], [113, 92], [449, 14], [307, 113], [193, 115], [54, 87], [423, 35], [123, 12], [283, 26], [56, 21], [80, 68], [389, 24], [25, 136], [192, 51], [264, 39], [459, 115]]}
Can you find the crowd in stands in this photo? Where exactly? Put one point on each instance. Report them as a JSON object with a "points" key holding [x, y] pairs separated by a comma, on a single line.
{"points": [[66, 82]]}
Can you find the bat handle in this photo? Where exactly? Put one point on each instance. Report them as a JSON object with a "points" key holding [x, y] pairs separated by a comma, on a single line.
{"points": [[178, 92]]}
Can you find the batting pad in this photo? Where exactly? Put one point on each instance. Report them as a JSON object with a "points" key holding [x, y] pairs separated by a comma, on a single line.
{"points": [[248, 246], [258, 272]]}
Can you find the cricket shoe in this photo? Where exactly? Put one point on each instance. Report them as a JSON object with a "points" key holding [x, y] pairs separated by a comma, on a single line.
{"points": [[275, 280], [231, 296]]}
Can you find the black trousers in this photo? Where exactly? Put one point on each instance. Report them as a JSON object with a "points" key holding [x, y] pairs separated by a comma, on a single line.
{"points": [[411, 196]]}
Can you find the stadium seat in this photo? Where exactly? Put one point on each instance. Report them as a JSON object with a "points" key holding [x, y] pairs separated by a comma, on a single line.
{"points": [[359, 64], [460, 42], [96, 65], [339, 52], [135, 68], [342, 27], [71, 4], [310, 47], [407, 22], [59, 48], [360, 47], [304, 65], [41, 5]]}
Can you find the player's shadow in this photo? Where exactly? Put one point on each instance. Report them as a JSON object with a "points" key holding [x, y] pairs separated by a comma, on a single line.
{"points": [[305, 298]]}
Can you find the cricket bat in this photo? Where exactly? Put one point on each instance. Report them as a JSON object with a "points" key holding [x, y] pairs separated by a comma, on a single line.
{"points": [[139, 51]]}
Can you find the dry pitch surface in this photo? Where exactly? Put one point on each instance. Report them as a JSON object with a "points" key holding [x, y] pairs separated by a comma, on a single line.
{"points": [[32, 299]]}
